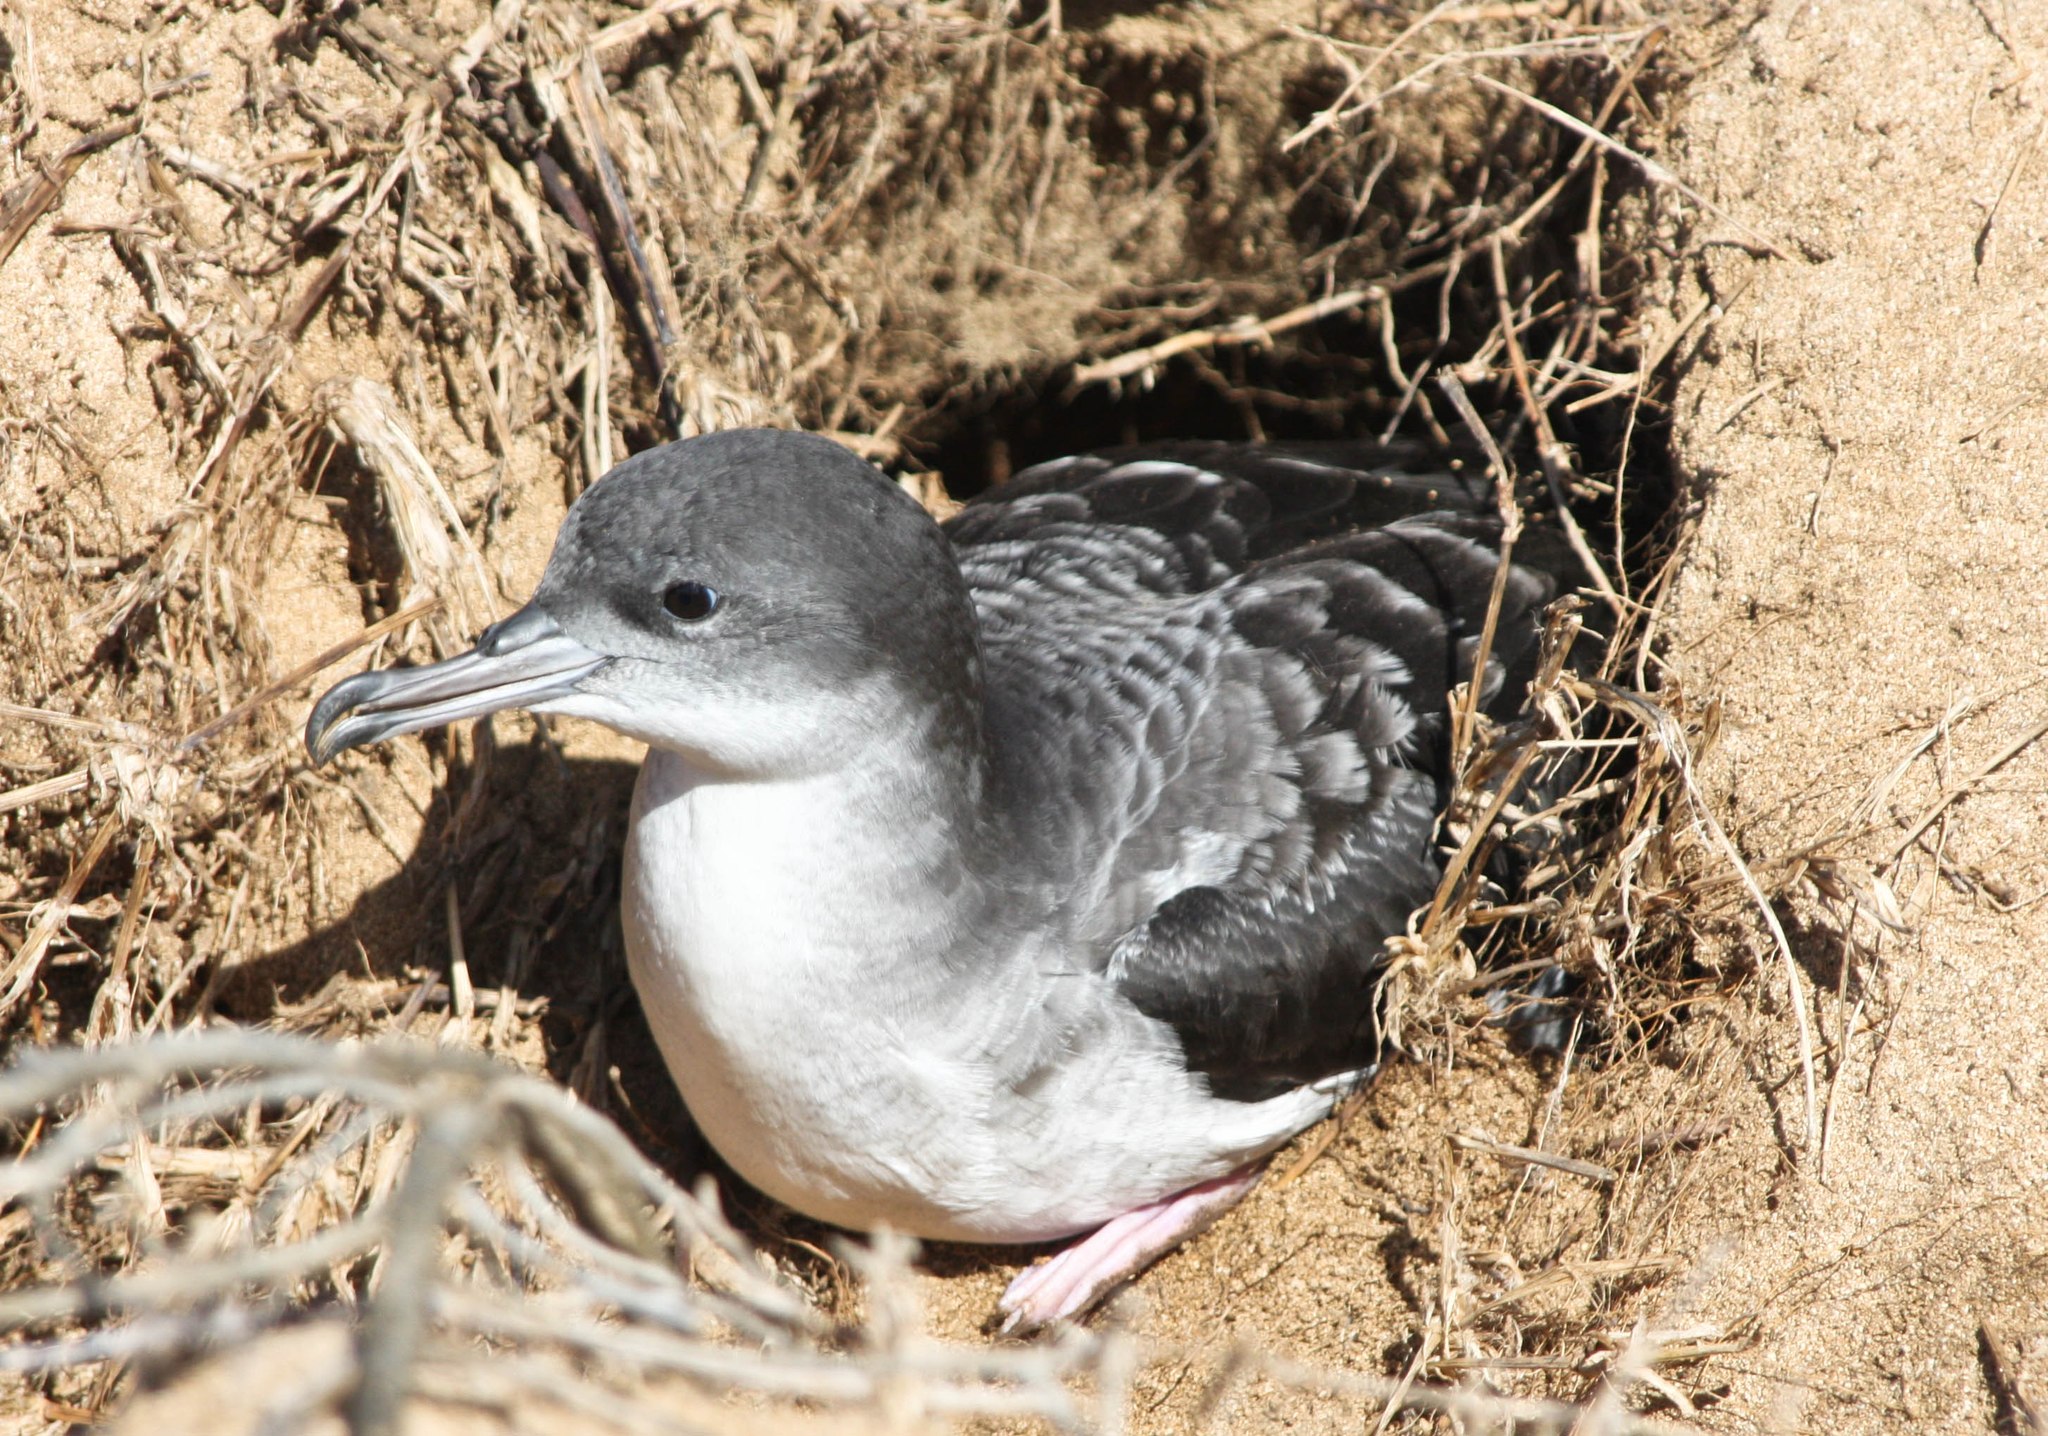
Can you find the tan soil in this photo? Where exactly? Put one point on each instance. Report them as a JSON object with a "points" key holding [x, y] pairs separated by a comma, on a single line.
{"points": [[1864, 422], [1872, 552]]}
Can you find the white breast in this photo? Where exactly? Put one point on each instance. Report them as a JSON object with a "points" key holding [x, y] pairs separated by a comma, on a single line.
{"points": [[761, 993], [793, 966]]}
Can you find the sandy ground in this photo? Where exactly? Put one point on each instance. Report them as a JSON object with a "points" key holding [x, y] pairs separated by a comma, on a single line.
{"points": [[1867, 427], [1863, 420]]}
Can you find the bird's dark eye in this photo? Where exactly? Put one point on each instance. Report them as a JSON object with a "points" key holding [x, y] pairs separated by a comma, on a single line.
{"points": [[691, 602]]}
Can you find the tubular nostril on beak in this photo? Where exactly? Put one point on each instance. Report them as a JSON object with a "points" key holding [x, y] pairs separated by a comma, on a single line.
{"points": [[524, 661], [528, 626]]}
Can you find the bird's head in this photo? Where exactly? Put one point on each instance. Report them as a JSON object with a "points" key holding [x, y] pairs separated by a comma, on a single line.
{"points": [[757, 600]]}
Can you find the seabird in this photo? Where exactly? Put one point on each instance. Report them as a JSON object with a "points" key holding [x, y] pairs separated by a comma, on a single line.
{"points": [[1027, 875]]}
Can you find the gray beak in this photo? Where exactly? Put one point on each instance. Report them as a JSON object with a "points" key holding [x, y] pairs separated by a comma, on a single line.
{"points": [[521, 662]]}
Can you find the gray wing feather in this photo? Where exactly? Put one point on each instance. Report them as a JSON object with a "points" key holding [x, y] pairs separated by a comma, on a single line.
{"points": [[1273, 709]]}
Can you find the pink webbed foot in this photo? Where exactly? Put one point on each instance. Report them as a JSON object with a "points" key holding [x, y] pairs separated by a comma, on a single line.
{"points": [[1070, 1281]]}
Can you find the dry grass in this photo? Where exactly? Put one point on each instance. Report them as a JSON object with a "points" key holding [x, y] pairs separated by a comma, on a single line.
{"points": [[421, 274], [193, 1191]]}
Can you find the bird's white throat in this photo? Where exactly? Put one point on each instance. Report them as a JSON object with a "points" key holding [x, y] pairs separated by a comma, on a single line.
{"points": [[821, 880]]}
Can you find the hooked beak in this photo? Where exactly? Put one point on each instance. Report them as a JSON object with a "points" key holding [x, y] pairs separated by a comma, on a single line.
{"points": [[521, 662]]}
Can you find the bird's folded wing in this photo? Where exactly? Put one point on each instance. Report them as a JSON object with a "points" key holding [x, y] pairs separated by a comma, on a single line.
{"points": [[1235, 749]]}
